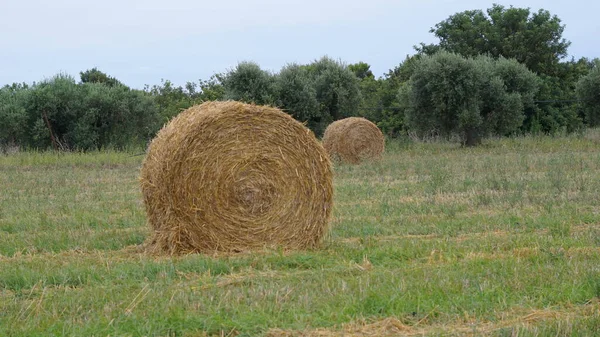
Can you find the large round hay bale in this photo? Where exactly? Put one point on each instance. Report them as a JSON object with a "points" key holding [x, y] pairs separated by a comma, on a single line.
{"points": [[353, 140], [229, 176]]}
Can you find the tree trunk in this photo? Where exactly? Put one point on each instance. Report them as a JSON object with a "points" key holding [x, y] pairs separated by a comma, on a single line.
{"points": [[52, 138], [472, 137]]}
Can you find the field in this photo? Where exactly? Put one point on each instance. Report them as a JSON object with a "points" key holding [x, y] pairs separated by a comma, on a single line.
{"points": [[435, 239]]}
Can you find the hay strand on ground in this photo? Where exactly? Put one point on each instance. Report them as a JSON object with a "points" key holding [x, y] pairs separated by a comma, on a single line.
{"points": [[353, 140], [229, 176]]}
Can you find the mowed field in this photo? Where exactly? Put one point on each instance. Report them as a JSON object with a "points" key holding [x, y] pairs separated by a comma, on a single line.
{"points": [[435, 239]]}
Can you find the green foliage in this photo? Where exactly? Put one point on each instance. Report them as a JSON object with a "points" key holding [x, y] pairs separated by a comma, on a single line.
{"points": [[371, 90], [171, 99], [96, 76], [404, 70], [53, 108], [337, 89], [209, 90], [296, 94], [61, 114], [249, 83], [392, 120], [116, 116], [443, 97], [532, 38], [473, 98], [387, 100], [555, 111], [362, 70], [12, 114], [380, 104], [517, 79], [509, 89], [588, 90]]}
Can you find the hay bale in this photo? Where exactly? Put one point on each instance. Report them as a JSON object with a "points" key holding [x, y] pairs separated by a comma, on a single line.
{"points": [[353, 140], [229, 176]]}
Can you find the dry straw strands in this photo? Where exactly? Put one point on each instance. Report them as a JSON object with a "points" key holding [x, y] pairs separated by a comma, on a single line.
{"points": [[229, 176], [353, 140]]}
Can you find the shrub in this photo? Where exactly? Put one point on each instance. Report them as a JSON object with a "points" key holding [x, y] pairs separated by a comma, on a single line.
{"points": [[588, 90], [249, 83], [444, 97], [337, 88], [297, 96], [13, 115], [65, 115], [473, 98]]}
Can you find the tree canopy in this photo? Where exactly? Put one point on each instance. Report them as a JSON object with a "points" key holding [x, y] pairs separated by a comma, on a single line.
{"points": [[532, 38], [588, 91], [249, 83], [494, 72], [452, 95]]}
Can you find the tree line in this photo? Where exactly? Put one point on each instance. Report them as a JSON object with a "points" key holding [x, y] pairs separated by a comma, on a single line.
{"points": [[495, 73]]}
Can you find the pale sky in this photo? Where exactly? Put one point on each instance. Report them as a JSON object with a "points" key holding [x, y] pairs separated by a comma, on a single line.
{"points": [[143, 41]]}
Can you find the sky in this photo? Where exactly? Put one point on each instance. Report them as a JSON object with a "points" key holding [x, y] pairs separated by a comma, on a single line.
{"points": [[145, 41]]}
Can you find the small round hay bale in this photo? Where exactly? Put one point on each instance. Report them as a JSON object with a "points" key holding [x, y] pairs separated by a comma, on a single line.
{"points": [[353, 140], [229, 176]]}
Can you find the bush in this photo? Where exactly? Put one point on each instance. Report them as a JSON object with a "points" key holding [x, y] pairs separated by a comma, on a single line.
{"points": [[13, 115], [444, 97], [588, 90], [297, 96], [249, 83], [171, 99], [115, 117], [553, 113], [337, 88], [53, 109], [509, 89], [473, 98], [64, 115]]}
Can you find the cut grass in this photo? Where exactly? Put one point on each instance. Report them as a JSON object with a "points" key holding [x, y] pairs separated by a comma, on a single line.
{"points": [[434, 239]]}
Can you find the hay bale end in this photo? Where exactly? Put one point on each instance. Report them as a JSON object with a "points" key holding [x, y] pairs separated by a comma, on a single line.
{"points": [[229, 176], [353, 140]]}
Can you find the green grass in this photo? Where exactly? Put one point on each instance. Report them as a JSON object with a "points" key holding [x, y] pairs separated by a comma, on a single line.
{"points": [[499, 240]]}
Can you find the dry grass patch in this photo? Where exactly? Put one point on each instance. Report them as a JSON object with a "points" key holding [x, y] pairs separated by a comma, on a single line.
{"points": [[466, 326]]}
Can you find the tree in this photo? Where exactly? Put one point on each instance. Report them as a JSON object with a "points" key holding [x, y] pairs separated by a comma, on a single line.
{"points": [[532, 38], [249, 83], [588, 91], [211, 89], [297, 96], [114, 117], [96, 76], [53, 108], [13, 114], [405, 69], [337, 89], [385, 100], [473, 98], [171, 99], [443, 98], [508, 90], [555, 110], [362, 70], [65, 115]]}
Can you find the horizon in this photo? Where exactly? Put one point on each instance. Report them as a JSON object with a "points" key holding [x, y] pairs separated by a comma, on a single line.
{"points": [[150, 41]]}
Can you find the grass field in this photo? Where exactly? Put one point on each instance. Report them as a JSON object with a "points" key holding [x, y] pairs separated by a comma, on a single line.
{"points": [[500, 240]]}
